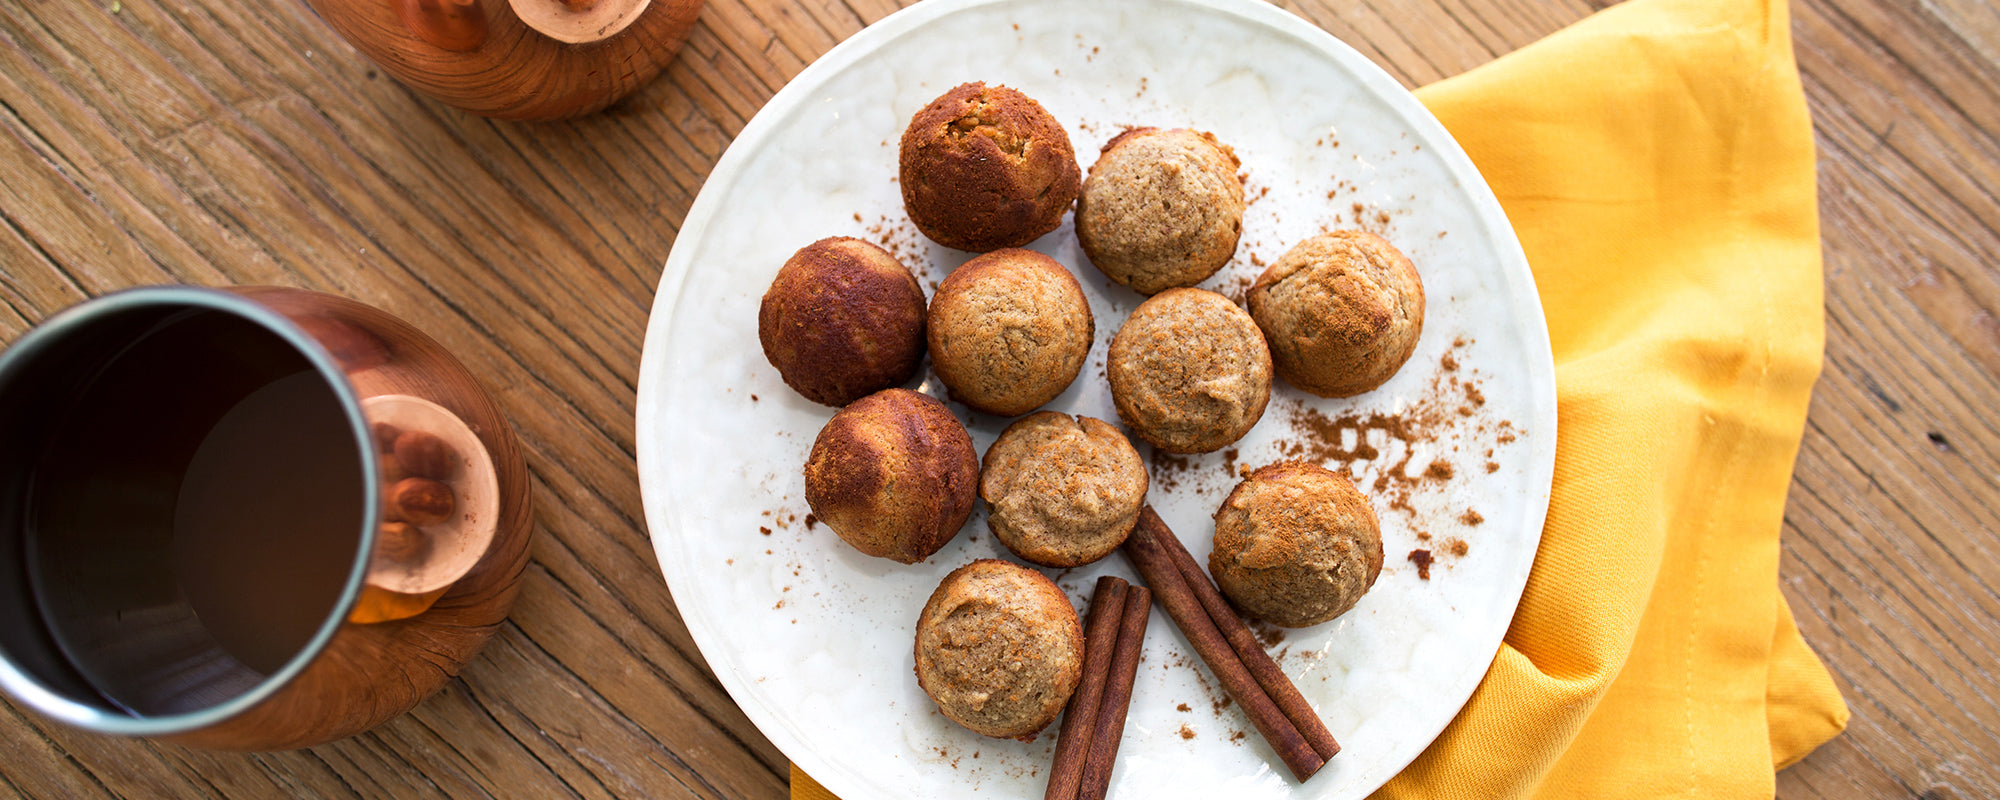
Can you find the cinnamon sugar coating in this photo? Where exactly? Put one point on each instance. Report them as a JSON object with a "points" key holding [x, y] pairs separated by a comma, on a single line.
{"points": [[986, 167], [999, 649], [1189, 371], [893, 474], [843, 319], [1342, 311], [1009, 331], [1161, 208], [1295, 545], [1065, 491]]}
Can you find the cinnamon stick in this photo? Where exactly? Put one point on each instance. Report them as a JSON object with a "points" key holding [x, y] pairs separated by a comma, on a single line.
{"points": [[1279, 687], [1150, 554], [1117, 695], [1100, 640]]}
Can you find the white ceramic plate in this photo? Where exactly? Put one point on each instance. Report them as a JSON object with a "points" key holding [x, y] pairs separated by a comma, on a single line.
{"points": [[814, 640]]}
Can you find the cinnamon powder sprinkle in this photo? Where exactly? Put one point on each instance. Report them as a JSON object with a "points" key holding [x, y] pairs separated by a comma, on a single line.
{"points": [[1186, 732], [1422, 558], [1168, 469], [1456, 547], [811, 521], [1452, 406], [1471, 517], [1268, 635]]}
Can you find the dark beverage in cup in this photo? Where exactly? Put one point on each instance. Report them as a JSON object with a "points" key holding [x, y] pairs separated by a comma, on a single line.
{"points": [[194, 512]]}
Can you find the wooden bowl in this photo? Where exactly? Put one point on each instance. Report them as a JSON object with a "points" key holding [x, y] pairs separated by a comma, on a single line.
{"points": [[517, 59], [382, 663]]}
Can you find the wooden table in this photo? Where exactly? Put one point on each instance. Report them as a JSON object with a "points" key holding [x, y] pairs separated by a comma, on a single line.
{"points": [[208, 142]]}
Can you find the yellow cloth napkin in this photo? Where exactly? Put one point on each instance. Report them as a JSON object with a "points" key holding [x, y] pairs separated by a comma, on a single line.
{"points": [[1657, 162]]}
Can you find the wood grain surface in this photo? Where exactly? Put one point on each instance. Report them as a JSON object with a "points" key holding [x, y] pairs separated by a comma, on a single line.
{"points": [[212, 143]]}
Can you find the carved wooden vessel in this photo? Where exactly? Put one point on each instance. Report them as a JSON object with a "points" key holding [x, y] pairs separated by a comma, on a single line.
{"points": [[517, 59]]}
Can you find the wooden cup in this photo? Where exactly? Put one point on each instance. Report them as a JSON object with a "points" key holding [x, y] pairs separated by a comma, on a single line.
{"points": [[517, 59]]}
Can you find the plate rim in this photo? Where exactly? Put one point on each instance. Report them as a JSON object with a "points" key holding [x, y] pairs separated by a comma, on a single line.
{"points": [[1513, 269]]}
